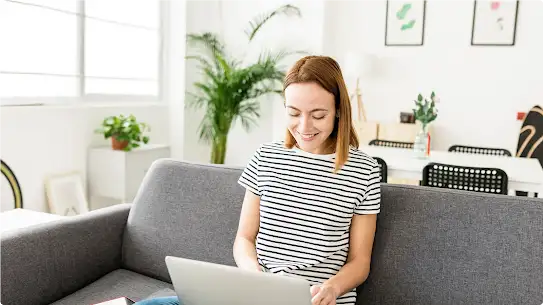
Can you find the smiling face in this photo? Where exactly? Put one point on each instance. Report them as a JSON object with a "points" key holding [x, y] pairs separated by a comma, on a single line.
{"points": [[311, 116]]}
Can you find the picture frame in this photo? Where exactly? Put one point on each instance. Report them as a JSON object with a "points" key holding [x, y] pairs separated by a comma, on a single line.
{"points": [[65, 194], [405, 23], [494, 23]]}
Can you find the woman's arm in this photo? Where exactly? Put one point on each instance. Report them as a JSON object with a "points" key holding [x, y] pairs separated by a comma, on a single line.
{"points": [[357, 268], [245, 242]]}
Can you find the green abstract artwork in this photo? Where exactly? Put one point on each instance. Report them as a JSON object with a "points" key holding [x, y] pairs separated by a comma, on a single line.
{"points": [[401, 14], [405, 22]]}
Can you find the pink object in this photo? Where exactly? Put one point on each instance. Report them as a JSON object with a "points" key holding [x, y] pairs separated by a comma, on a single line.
{"points": [[494, 5]]}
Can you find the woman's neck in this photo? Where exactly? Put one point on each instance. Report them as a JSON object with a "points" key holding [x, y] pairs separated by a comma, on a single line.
{"points": [[327, 147]]}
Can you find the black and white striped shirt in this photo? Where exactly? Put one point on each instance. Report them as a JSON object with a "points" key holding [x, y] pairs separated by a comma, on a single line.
{"points": [[306, 209]]}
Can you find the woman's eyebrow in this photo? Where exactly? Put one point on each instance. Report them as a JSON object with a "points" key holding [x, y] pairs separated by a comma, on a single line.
{"points": [[314, 110]]}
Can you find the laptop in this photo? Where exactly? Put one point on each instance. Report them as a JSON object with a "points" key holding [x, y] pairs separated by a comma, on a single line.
{"points": [[203, 283]]}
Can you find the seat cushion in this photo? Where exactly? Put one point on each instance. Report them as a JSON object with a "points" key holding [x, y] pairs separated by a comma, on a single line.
{"points": [[119, 283]]}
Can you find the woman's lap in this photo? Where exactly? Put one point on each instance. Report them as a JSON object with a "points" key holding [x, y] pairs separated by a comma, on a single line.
{"points": [[159, 301]]}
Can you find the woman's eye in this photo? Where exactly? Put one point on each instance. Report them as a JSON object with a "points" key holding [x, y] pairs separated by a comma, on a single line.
{"points": [[294, 114], [319, 117]]}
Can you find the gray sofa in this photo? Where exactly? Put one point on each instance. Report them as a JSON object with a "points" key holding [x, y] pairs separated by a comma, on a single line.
{"points": [[432, 246]]}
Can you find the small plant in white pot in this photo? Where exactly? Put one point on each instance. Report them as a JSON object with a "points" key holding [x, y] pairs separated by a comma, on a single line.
{"points": [[125, 132]]}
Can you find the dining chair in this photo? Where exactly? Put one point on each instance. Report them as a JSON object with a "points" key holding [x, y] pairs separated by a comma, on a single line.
{"points": [[384, 169], [480, 150], [396, 144], [476, 179]]}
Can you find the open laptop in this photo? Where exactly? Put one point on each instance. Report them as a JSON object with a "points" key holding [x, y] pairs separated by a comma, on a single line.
{"points": [[202, 283]]}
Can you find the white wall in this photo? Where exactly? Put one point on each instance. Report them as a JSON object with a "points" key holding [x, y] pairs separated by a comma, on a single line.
{"points": [[38, 141], [230, 19], [481, 88]]}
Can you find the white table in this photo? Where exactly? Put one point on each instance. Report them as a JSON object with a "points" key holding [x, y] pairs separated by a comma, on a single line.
{"points": [[20, 218], [525, 174]]}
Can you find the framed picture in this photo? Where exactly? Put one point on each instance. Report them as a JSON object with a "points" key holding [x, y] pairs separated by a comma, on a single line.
{"points": [[405, 23], [65, 194], [494, 23]]}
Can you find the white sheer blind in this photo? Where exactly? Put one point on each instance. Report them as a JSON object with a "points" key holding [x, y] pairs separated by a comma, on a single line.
{"points": [[39, 48], [122, 47]]}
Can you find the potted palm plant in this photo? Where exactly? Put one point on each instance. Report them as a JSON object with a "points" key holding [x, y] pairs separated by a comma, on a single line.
{"points": [[229, 90]]}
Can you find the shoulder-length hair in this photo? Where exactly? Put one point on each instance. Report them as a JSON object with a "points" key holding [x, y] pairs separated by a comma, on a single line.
{"points": [[326, 72]]}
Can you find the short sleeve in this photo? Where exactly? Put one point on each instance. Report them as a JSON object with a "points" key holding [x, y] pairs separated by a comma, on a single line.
{"points": [[249, 176], [370, 202]]}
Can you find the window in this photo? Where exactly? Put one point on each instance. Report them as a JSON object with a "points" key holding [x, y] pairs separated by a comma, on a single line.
{"points": [[79, 49], [121, 47], [39, 49]]}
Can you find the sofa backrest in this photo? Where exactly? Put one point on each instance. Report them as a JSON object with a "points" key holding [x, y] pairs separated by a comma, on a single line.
{"points": [[432, 246], [184, 210], [438, 246]]}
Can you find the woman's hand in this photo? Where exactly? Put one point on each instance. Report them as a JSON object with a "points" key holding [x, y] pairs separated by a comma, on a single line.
{"points": [[323, 295]]}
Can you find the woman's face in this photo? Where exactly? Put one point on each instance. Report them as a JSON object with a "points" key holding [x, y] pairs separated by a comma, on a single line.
{"points": [[311, 115]]}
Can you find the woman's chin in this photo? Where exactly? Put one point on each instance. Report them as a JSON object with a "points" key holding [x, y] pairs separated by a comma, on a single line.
{"points": [[309, 146]]}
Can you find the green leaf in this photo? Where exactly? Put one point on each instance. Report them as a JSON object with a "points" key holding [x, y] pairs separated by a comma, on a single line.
{"points": [[409, 25], [419, 98], [402, 12], [258, 22]]}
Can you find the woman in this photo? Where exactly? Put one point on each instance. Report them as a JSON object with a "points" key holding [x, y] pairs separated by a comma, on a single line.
{"points": [[311, 200]]}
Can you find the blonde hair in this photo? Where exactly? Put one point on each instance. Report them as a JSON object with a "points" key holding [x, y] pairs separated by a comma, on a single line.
{"points": [[326, 72]]}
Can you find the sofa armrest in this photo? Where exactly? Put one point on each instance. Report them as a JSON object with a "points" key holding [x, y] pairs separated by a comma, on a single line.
{"points": [[43, 263]]}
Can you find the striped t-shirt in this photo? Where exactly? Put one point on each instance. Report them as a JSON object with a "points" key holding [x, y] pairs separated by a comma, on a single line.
{"points": [[306, 209]]}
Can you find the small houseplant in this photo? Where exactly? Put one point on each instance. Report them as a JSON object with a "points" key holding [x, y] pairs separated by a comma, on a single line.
{"points": [[125, 132], [231, 90], [425, 112]]}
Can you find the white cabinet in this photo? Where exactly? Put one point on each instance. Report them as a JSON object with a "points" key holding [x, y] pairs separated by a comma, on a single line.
{"points": [[115, 176]]}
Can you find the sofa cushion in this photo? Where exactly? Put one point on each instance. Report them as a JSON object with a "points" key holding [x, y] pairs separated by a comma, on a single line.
{"points": [[436, 246], [119, 283], [185, 210]]}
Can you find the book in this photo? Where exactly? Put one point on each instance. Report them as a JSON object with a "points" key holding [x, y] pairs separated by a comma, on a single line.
{"points": [[117, 301]]}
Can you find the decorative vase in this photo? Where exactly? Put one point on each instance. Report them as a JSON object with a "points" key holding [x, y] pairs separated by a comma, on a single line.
{"points": [[421, 146], [118, 145]]}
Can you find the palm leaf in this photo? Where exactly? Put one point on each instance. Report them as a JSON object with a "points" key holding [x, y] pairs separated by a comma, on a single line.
{"points": [[249, 113], [206, 129], [208, 40], [195, 101], [256, 24], [205, 63], [210, 43]]}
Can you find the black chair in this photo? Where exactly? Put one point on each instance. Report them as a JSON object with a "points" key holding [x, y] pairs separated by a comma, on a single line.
{"points": [[384, 169], [396, 144], [480, 150], [477, 179]]}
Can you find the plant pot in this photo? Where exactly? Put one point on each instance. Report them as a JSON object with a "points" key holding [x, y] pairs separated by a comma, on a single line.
{"points": [[118, 145]]}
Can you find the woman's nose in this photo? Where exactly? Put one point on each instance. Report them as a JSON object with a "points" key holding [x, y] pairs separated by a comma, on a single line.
{"points": [[305, 124]]}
